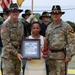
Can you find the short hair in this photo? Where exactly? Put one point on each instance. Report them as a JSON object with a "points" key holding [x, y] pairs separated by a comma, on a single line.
{"points": [[35, 23]]}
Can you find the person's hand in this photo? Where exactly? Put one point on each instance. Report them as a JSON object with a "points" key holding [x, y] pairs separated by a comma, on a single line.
{"points": [[29, 59], [44, 56], [30, 18], [19, 56], [44, 52], [67, 60]]}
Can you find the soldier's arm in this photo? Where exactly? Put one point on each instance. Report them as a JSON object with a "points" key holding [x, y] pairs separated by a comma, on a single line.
{"points": [[5, 36], [70, 38], [45, 49], [45, 44]]}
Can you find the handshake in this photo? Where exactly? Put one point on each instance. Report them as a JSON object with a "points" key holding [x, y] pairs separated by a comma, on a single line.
{"points": [[31, 19]]}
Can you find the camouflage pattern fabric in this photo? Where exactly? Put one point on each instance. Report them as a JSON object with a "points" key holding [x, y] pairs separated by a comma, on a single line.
{"points": [[11, 35], [12, 67], [60, 36]]}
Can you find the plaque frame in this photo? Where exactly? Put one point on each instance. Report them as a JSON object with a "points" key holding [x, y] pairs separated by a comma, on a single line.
{"points": [[30, 49]]}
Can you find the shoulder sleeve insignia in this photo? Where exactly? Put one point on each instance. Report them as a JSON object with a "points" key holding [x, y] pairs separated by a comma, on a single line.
{"points": [[71, 31], [3, 30]]}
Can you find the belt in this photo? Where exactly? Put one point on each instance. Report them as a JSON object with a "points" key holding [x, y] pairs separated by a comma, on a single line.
{"points": [[61, 50]]}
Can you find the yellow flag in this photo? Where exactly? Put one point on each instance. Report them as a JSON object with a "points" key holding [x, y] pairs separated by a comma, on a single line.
{"points": [[19, 2]]}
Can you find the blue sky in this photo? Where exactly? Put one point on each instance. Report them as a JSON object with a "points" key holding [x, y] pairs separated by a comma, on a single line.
{"points": [[46, 5]]}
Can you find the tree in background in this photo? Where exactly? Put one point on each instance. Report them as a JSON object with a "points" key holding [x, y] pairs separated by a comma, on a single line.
{"points": [[72, 24]]}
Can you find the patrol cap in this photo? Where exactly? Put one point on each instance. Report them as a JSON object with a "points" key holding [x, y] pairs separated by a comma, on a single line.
{"points": [[5, 11], [14, 7], [56, 9], [27, 12], [45, 14]]}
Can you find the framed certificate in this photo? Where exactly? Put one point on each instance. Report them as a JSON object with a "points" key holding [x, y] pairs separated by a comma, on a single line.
{"points": [[31, 48]]}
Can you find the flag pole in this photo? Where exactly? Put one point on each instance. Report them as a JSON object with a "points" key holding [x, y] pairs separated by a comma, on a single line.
{"points": [[32, 6]]}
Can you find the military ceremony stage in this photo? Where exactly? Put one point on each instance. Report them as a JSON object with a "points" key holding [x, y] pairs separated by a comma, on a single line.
{"points": [[71, 67]]}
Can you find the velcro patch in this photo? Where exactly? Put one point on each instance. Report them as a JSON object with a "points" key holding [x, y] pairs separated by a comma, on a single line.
{"points": [[3, 30]]}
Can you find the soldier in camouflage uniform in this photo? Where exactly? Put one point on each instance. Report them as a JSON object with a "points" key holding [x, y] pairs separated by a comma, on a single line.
{"points": [[61, 41], [5, 15], [11, 35]]}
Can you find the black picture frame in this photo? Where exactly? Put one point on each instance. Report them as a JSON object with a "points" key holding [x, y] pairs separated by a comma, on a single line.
{"points": [[30, 48]]}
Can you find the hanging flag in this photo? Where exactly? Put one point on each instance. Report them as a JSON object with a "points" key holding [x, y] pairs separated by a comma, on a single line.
{"points": [[19, 2], [5, 3]]}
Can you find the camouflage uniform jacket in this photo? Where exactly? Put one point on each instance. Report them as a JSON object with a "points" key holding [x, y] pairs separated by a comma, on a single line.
{"points": [[61, 36], [11, 35]]}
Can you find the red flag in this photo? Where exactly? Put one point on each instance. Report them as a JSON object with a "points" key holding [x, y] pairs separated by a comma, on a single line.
{"points": [[6, 3]]}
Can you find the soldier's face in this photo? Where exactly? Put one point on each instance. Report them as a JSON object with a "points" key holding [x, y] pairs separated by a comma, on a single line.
{"points": [[14, 14], [26, 16], [56, 16], [46, 19], [5, 16]]}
